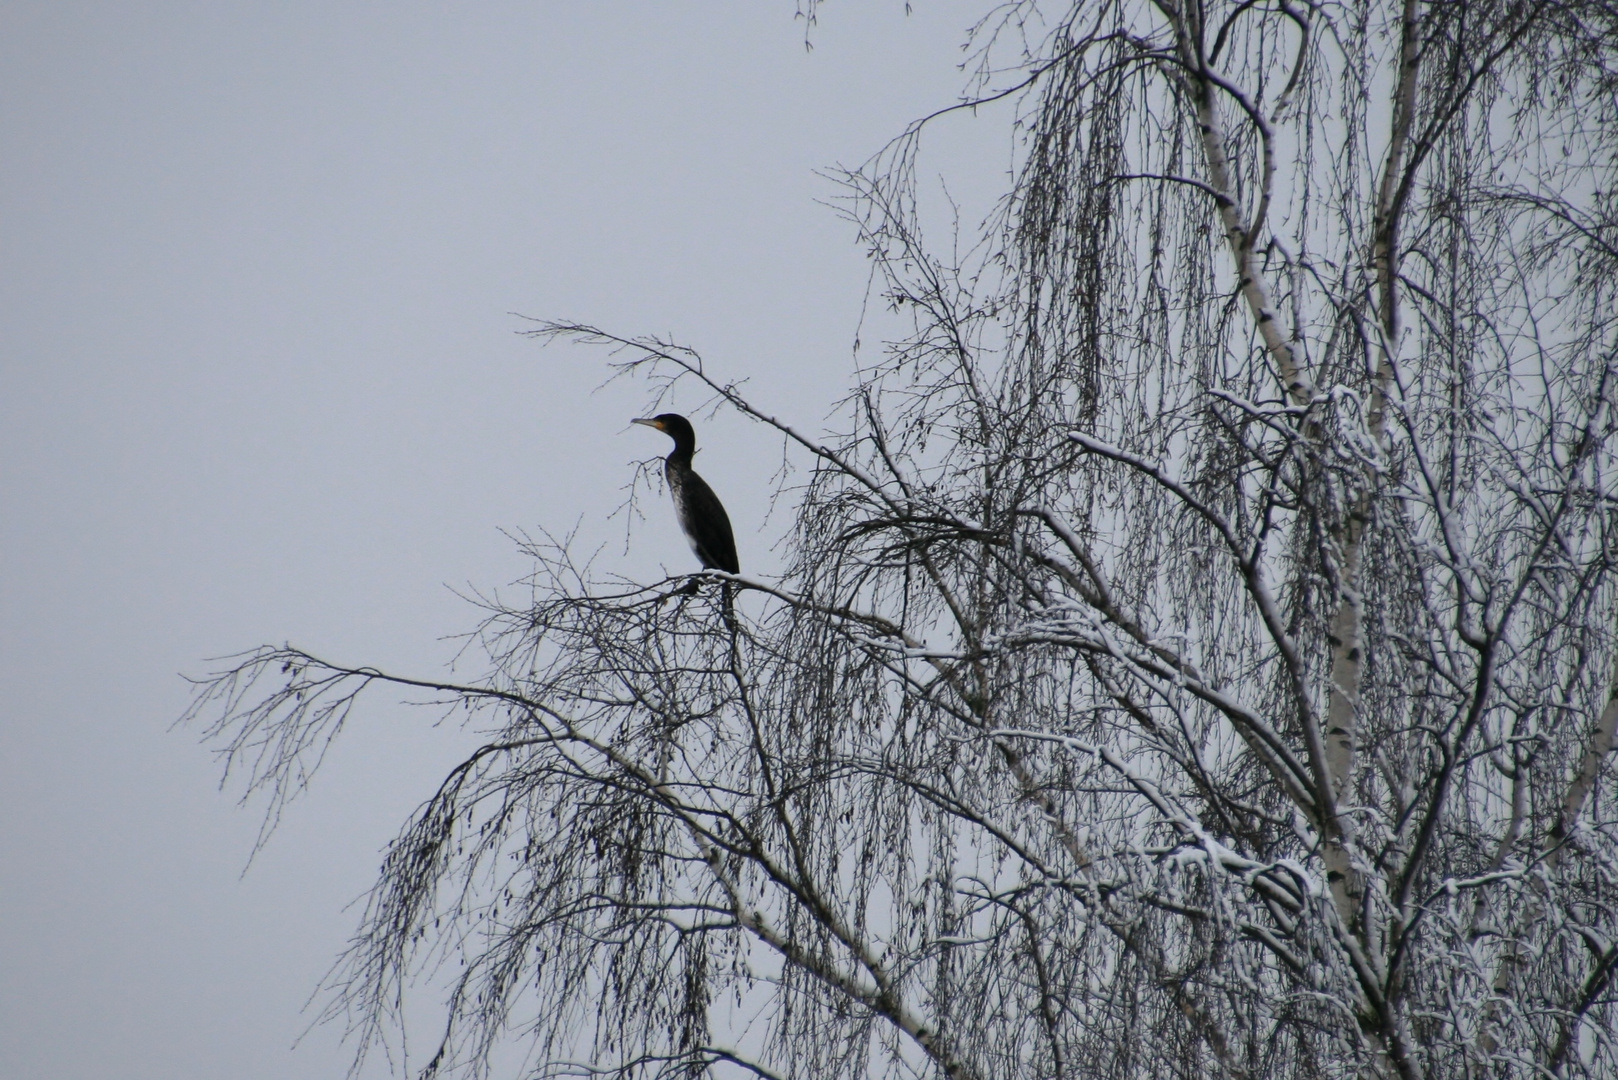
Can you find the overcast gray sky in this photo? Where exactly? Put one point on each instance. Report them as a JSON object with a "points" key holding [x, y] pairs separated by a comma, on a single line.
{"points": [[259, 382]]}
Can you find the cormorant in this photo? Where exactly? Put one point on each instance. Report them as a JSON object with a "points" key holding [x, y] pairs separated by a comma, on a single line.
{"points": [[706, 526]]}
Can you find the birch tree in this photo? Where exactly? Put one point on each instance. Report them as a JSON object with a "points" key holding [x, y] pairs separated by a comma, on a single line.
{"points": [[1196, 648]]}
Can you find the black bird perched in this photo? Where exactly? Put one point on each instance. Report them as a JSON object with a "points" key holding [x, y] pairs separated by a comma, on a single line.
{"points": [[706, 526]]}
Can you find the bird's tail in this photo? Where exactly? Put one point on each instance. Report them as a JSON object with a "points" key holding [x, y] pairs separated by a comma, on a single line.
{"points": [[727, 605]]}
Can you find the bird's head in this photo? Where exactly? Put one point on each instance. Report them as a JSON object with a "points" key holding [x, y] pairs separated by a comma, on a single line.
{"points": [[675, 427]]}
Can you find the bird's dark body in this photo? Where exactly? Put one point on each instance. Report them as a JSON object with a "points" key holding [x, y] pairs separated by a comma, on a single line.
{"points": [[706, 525], [702, 518]]}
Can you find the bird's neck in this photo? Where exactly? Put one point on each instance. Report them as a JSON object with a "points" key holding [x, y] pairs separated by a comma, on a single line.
{"points": [[681, 458]]}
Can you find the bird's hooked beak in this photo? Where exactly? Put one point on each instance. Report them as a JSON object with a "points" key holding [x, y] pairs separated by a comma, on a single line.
{"points": [[658, 424]]}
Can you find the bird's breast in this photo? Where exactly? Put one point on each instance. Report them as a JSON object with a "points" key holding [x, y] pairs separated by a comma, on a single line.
{"points": [[681, 494]]}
